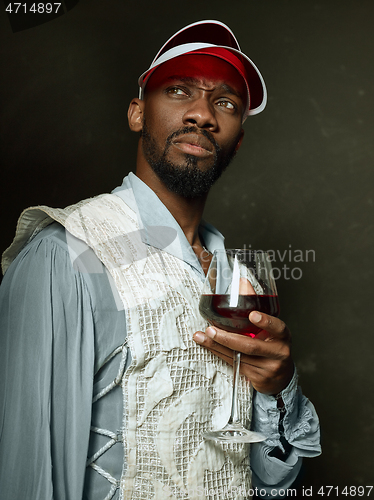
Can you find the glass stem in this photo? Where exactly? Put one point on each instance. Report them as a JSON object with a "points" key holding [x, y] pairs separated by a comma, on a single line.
{"points": [[234, 417]]}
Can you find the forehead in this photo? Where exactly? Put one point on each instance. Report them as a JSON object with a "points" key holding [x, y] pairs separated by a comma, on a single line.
{"points": [[209, 70]]}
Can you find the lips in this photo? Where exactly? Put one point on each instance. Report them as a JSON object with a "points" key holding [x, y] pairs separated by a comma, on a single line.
{"points": [[194, 144]]}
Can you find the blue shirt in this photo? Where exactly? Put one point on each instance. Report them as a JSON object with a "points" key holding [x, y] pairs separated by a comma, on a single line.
{"points": [[61, 336]]}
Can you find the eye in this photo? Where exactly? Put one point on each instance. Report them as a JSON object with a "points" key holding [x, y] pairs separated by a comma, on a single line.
{"points": [[226, 104], [177, 91]]}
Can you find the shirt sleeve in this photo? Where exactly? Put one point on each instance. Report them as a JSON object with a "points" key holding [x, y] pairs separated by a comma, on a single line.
{"points": [[300, 429], [46, 369]]}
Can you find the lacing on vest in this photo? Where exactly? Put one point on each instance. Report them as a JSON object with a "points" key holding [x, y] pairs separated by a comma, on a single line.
{"points": [[114, 437]]}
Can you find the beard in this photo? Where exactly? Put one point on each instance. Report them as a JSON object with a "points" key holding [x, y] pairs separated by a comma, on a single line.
{"points": [[187, 180]]}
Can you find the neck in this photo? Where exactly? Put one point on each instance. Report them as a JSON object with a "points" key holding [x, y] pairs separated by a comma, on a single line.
{"points": [[187, 212]]}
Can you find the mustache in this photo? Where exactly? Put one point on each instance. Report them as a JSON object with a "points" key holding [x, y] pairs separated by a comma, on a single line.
{"points": [[193, 130]]}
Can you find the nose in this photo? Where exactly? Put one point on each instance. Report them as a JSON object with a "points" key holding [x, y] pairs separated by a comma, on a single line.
{"points": [[201, 113]]}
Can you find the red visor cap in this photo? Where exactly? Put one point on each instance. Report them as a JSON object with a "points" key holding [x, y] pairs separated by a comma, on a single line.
{"points": [[209, 36]]}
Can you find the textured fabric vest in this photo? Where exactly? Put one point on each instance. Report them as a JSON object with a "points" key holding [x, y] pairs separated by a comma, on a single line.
{"points": [[174, 389]]}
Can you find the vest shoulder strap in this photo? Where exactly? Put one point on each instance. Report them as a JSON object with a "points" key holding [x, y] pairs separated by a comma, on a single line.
{"points": [[34, 219]]}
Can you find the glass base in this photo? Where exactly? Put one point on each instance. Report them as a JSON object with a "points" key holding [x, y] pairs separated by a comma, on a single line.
{"points": [[234, 433]]}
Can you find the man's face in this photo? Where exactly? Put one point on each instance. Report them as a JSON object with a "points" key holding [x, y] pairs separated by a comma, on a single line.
{"points": [[192, 124]]}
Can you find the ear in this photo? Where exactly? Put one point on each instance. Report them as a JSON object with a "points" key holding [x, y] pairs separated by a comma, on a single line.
{"points": [[240, 140], [135, 114]]}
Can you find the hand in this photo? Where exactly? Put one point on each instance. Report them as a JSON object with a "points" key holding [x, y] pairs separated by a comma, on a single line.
{"points": [[266, 359]]}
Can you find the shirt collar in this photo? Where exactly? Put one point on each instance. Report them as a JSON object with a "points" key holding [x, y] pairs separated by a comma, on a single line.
{"points": [[159, 228]]}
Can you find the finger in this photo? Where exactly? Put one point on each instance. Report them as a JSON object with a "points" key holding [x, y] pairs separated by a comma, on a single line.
{"points": [[226, 353], [223, 342], [222, 351], [233, 341], [273, 347], [270, 324]]}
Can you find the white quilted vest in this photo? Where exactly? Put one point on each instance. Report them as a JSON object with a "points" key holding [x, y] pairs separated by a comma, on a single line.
{"points": [[174, 389]]}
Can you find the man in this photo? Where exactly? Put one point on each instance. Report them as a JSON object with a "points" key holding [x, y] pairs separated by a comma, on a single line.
{"points": [[110, 375]]}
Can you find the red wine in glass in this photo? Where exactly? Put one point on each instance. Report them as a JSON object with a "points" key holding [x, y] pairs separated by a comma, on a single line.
{"points": [[216, 309]]}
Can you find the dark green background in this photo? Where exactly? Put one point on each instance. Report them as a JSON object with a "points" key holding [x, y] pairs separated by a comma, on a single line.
{"points": [[303, 179]]}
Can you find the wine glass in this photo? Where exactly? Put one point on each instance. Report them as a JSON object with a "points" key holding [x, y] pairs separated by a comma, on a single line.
{"points": [[238, 282]]}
